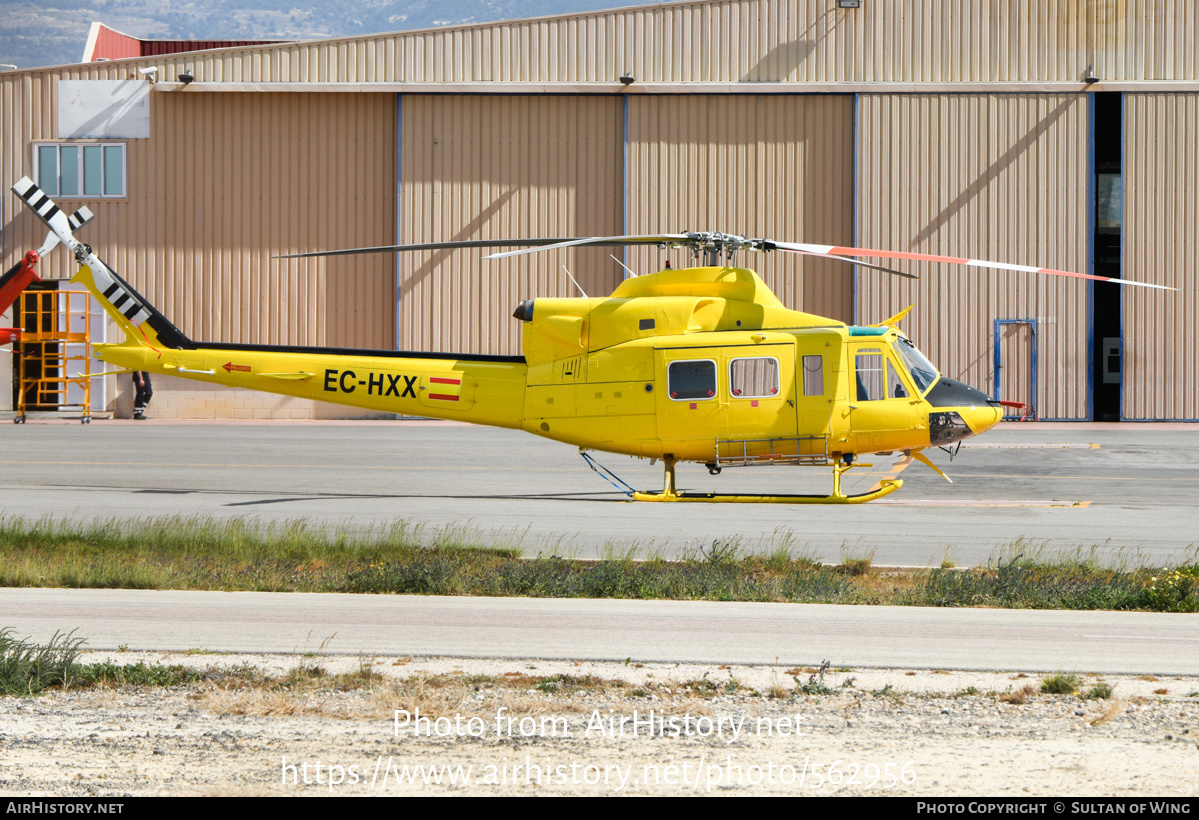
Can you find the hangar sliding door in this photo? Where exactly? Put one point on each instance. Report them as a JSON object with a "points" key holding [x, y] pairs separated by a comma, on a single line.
{"points": [[768, 165], [495, 167], [999, 177]]}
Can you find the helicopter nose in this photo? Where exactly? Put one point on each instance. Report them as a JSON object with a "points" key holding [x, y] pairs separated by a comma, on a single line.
{"points": [[981, 418], [959, 411]]}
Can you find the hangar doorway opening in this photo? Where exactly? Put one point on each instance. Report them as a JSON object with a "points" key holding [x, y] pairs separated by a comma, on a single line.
{"points": [[1107, 371]]}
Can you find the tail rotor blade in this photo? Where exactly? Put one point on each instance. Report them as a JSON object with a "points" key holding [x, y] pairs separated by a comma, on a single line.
{"points": [[61, 225], [46, 210], [76, 220]]}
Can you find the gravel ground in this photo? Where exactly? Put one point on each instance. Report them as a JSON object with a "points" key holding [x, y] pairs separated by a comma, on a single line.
{"points": [[490, 727]]}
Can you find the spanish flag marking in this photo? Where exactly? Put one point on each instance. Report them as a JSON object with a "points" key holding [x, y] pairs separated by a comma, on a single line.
{"points": [[448, 389]]}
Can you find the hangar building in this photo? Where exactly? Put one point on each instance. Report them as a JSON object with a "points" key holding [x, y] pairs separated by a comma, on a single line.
{"points": [[1059, 134]]}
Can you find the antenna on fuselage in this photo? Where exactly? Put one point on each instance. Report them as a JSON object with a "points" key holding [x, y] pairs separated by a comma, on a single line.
{"points": [[627, 269], [585, 296]]}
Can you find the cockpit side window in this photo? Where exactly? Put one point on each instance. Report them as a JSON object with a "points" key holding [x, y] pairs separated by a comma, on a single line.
{"points": [[878, 377], [870, 368]]}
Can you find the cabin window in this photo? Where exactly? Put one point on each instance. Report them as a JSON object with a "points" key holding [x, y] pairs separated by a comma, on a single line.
{"points": [[813, 375], [869, 366], [76, 170], [754, 378], [691, 380]]}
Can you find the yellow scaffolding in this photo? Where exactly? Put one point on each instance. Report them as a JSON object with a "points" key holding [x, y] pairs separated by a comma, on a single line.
{"points": [[54, 353]]}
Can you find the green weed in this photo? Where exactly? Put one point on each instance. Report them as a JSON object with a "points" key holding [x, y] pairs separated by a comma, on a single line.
{"points": [[136, 674], [28, 668], [1061, 684], [1100, 691], [815, 684], [406, 558]]}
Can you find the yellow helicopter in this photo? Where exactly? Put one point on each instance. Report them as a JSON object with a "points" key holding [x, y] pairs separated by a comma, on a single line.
{"points": [[700, 364]]}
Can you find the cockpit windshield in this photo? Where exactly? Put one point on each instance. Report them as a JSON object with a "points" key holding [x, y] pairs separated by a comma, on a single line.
{"points": [[922, 370]]}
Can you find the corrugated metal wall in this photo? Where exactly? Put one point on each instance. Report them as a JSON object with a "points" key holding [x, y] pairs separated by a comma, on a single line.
{"points": [[491, 167], [1161, 215], [769, 166], [991, 177], [227, 180], [755, 41], [223, 184]]}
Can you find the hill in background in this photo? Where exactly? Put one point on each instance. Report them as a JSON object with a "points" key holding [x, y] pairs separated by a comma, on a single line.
{"points": [[34, 34]]}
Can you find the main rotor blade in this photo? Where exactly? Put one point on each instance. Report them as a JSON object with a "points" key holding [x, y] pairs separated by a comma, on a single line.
{"points": [[857, 262], [430, 246], [610, 241], [796, 247]]}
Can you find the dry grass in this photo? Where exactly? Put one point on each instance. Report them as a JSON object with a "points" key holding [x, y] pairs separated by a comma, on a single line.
{"points": [[779, 692], [887, 584], [1113, 708], [1020, 696], [309, 691]]}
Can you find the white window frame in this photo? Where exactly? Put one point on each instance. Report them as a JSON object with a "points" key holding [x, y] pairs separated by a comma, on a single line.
{"points": [[55, 191], [778, 386], [715, 379], [860, 383]]}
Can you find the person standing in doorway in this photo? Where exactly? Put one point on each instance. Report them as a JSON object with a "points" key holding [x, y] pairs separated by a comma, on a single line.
{"points": [[142, 393]]}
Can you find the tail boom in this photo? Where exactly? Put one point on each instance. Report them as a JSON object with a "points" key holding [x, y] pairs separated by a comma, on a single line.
{"points": [[473, 388]]}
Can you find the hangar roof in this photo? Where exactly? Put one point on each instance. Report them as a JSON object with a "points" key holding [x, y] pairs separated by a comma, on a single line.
{"points": [[739, 46]]}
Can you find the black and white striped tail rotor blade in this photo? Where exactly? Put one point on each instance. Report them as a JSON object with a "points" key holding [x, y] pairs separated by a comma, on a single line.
{"points": [[42, 205], [76, 220], [62, 226], [80, 218]]}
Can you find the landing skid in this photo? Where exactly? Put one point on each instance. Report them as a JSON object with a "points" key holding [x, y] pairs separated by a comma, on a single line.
{"points": [[670, 493]]}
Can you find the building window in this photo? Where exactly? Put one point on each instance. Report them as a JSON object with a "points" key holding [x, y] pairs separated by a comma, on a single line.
{"points": [[754, 378], [81, 170]]}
